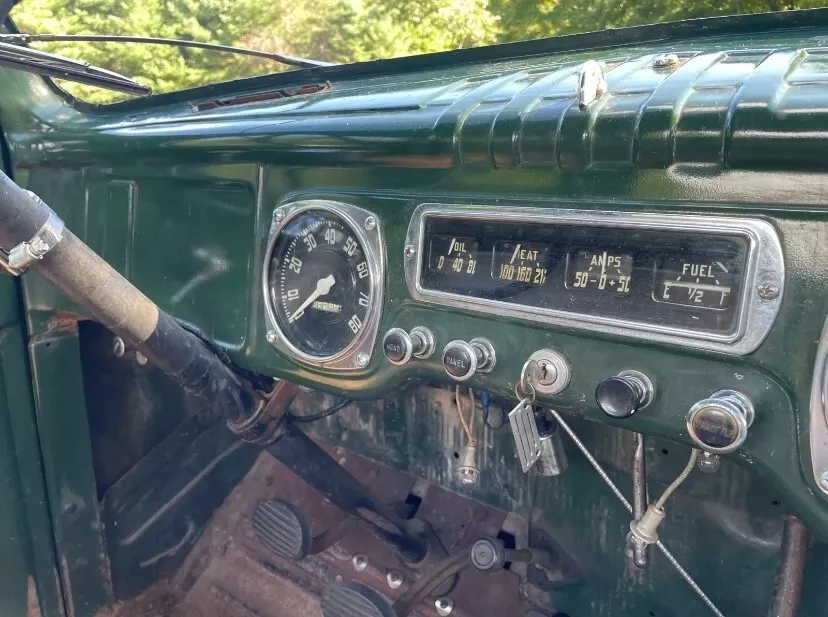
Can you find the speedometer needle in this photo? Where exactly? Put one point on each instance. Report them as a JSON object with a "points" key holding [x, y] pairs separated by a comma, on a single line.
{"points": [[323, 286]]}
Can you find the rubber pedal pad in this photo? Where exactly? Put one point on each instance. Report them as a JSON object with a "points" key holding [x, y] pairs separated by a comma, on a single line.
{"points": [[354, 599], [283, 528]]}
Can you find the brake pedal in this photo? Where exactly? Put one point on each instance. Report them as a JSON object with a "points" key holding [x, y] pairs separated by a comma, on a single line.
{"points": [[354, 599], [283, 528]]}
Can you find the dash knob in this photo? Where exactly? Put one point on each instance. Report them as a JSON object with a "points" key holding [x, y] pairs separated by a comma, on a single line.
{"points": [[400, 346], [719, 424], [461, 360], [624, 394]]}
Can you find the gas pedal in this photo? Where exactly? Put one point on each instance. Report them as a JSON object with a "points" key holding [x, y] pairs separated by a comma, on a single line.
{"points": [[283, 528], [354, 599]]}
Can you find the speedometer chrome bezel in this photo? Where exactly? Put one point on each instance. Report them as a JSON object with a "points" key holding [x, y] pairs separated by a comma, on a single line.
{"points": [[366, 227]]}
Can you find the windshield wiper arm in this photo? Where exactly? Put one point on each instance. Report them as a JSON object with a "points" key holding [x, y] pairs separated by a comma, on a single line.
{"points": [[23, 39], [52, 65]]}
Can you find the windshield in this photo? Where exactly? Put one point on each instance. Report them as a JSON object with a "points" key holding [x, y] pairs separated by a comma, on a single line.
{"points": [[340, 31]]}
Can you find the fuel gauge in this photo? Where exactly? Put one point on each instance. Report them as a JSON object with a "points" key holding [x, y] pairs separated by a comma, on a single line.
{"points": [[709, 283]]}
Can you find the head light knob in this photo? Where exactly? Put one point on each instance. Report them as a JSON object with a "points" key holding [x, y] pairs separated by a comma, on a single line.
{"points": [[400, 346]]}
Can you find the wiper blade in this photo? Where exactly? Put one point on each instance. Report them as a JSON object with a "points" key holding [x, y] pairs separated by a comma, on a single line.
{"points": [[23, 39], [52, 65]]}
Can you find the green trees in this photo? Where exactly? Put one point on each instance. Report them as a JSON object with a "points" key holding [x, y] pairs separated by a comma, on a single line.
{"points": [[333, 30]]}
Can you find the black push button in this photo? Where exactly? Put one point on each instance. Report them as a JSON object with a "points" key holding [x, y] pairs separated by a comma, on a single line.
{"points": [[624, 394], [617, 397]]}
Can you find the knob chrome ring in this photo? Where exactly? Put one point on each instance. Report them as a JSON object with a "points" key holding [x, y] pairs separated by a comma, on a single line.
{"points": [[647, 388], [429, 344], [489, 357]]}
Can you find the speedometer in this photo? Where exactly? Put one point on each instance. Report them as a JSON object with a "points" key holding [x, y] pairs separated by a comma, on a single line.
{"points": [[323, 279]]}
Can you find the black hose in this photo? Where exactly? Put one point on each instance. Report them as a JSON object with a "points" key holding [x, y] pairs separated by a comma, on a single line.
{"points": [[259, 381], [320, 415]]}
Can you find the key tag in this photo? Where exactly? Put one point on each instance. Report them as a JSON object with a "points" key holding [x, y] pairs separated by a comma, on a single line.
{"points": [[522, 421]]}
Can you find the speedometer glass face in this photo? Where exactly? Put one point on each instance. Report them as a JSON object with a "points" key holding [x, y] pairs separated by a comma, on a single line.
{"points": [[320, 283]]}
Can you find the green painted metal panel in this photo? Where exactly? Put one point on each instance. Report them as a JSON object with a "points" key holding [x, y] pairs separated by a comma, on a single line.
{"points": [[28, 573], [164, 192], [70, 480]]}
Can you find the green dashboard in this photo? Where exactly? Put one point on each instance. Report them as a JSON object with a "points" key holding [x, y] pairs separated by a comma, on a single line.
{"points": [[406, 190]]}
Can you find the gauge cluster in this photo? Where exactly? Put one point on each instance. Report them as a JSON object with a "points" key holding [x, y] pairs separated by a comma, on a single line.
{"points": [[683, 279], [660, 277]]}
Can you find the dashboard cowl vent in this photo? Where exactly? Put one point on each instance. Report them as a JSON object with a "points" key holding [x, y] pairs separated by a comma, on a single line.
{"points": [[258, 97]]}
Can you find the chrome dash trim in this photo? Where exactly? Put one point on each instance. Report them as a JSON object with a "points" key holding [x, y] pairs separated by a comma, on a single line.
{"points": [[818, 421], [765, 267]]}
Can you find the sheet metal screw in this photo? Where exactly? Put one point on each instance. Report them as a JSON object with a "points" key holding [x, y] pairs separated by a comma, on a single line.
{"points": [[362, 360], [709, 462], [394, 579], [271, 336], [278, 215], [360, 562], [371, 223], [140, 358], [69, 509], [410, 251], [444, 606], [768, 290], [118, 347], [824, 481]]}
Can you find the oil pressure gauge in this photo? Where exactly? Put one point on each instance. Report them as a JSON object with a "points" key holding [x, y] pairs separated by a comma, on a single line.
{"points": [[323, 280]]}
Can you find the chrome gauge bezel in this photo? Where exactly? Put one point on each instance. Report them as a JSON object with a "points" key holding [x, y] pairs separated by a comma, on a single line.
{"points": [[765, 267], [367, 228]]}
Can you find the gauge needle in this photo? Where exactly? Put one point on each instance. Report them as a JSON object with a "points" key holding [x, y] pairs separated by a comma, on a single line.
{"points": [[323, 286]]}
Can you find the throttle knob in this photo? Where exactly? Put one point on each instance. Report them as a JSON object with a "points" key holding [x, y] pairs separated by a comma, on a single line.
{"points": [[461, 360], [399, 346], [719, 424], [624, 394]]}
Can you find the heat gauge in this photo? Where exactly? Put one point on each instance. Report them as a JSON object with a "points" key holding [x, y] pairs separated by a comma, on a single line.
{"points": [[520, 262], [708, 284], [453, 255], [600, 270]]}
